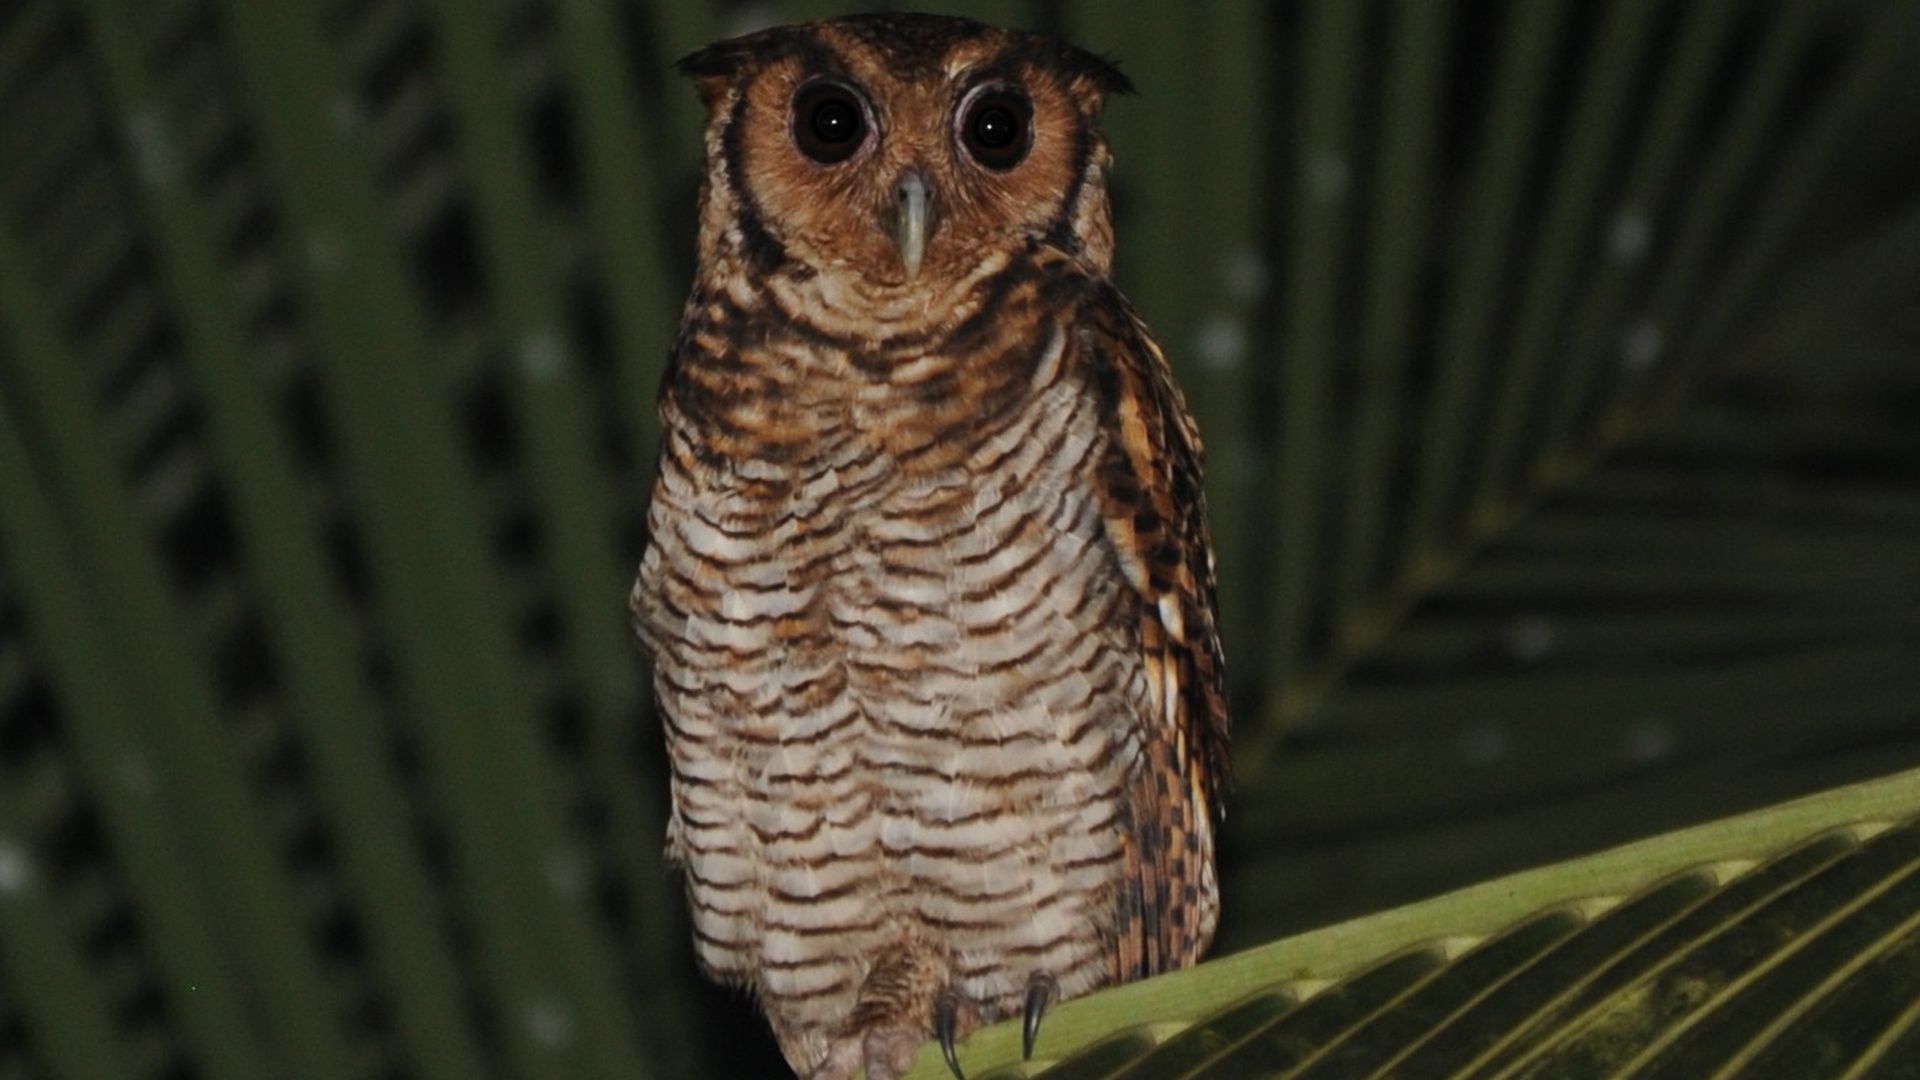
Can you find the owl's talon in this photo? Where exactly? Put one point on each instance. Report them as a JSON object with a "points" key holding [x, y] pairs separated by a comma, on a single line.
{"points": [[946, 1014], [1040, 990]]}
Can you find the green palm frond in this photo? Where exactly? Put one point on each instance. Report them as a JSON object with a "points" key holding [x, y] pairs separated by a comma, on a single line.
{"points": [[1778, 943]]}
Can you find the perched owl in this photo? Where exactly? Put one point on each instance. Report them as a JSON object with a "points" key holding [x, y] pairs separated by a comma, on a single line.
{"points": [[928, 587]]}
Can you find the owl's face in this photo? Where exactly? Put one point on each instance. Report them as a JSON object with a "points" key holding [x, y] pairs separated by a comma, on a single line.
{"points": [[891, 156]]}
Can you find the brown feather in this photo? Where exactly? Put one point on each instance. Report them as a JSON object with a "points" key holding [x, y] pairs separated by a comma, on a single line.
{"points": [[1155, 513]]}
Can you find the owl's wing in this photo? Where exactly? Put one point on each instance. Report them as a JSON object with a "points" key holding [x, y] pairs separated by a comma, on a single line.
{"points": [[1155, 514]]}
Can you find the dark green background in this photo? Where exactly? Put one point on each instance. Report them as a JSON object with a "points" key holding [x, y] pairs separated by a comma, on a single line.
{"points": [[1559, 364]]}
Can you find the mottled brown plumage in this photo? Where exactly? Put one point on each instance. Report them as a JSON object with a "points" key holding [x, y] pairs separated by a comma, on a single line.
{"points": [[928, 586]]}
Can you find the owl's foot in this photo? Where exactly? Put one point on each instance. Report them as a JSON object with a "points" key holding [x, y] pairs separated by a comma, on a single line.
{"points": [[1041, 989], [889, 1051], [946, 1022], [885, 1053], [886, 1050], [951, 1007]]}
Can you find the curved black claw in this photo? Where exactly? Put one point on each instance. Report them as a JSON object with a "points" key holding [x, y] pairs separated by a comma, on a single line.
{"points": [[946, 1014], [1040, 991]]}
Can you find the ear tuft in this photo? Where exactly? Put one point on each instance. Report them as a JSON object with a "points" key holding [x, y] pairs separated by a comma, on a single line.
{"points": [[1089, 76], [716, 67], [1102, 72], [722, 59]]}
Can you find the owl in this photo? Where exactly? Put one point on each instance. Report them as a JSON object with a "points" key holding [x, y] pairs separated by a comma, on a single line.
{"points": [[928, 588]]}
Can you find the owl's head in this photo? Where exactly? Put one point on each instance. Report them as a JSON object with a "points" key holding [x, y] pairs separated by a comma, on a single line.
{"points": [[890, 157]]}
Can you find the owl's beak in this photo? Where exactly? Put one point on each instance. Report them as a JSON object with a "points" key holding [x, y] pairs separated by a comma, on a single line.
{"points": [[912, 202]]}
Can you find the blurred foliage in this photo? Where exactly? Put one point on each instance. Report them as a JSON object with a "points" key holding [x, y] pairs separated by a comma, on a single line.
{"points": [[1559, 364]]}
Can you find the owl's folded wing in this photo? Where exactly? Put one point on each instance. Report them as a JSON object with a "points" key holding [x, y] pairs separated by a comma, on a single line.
{"points": [[1155, 515]]}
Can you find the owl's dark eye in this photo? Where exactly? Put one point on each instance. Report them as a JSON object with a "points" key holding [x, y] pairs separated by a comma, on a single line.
{"points": [[997, 128], [829, 122]]}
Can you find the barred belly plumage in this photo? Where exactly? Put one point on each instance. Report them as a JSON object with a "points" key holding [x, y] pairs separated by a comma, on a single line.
{"points": [[900, 698]]}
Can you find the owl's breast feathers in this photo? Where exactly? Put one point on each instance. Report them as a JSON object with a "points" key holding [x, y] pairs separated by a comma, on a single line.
{"points": [[759, 384]]}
